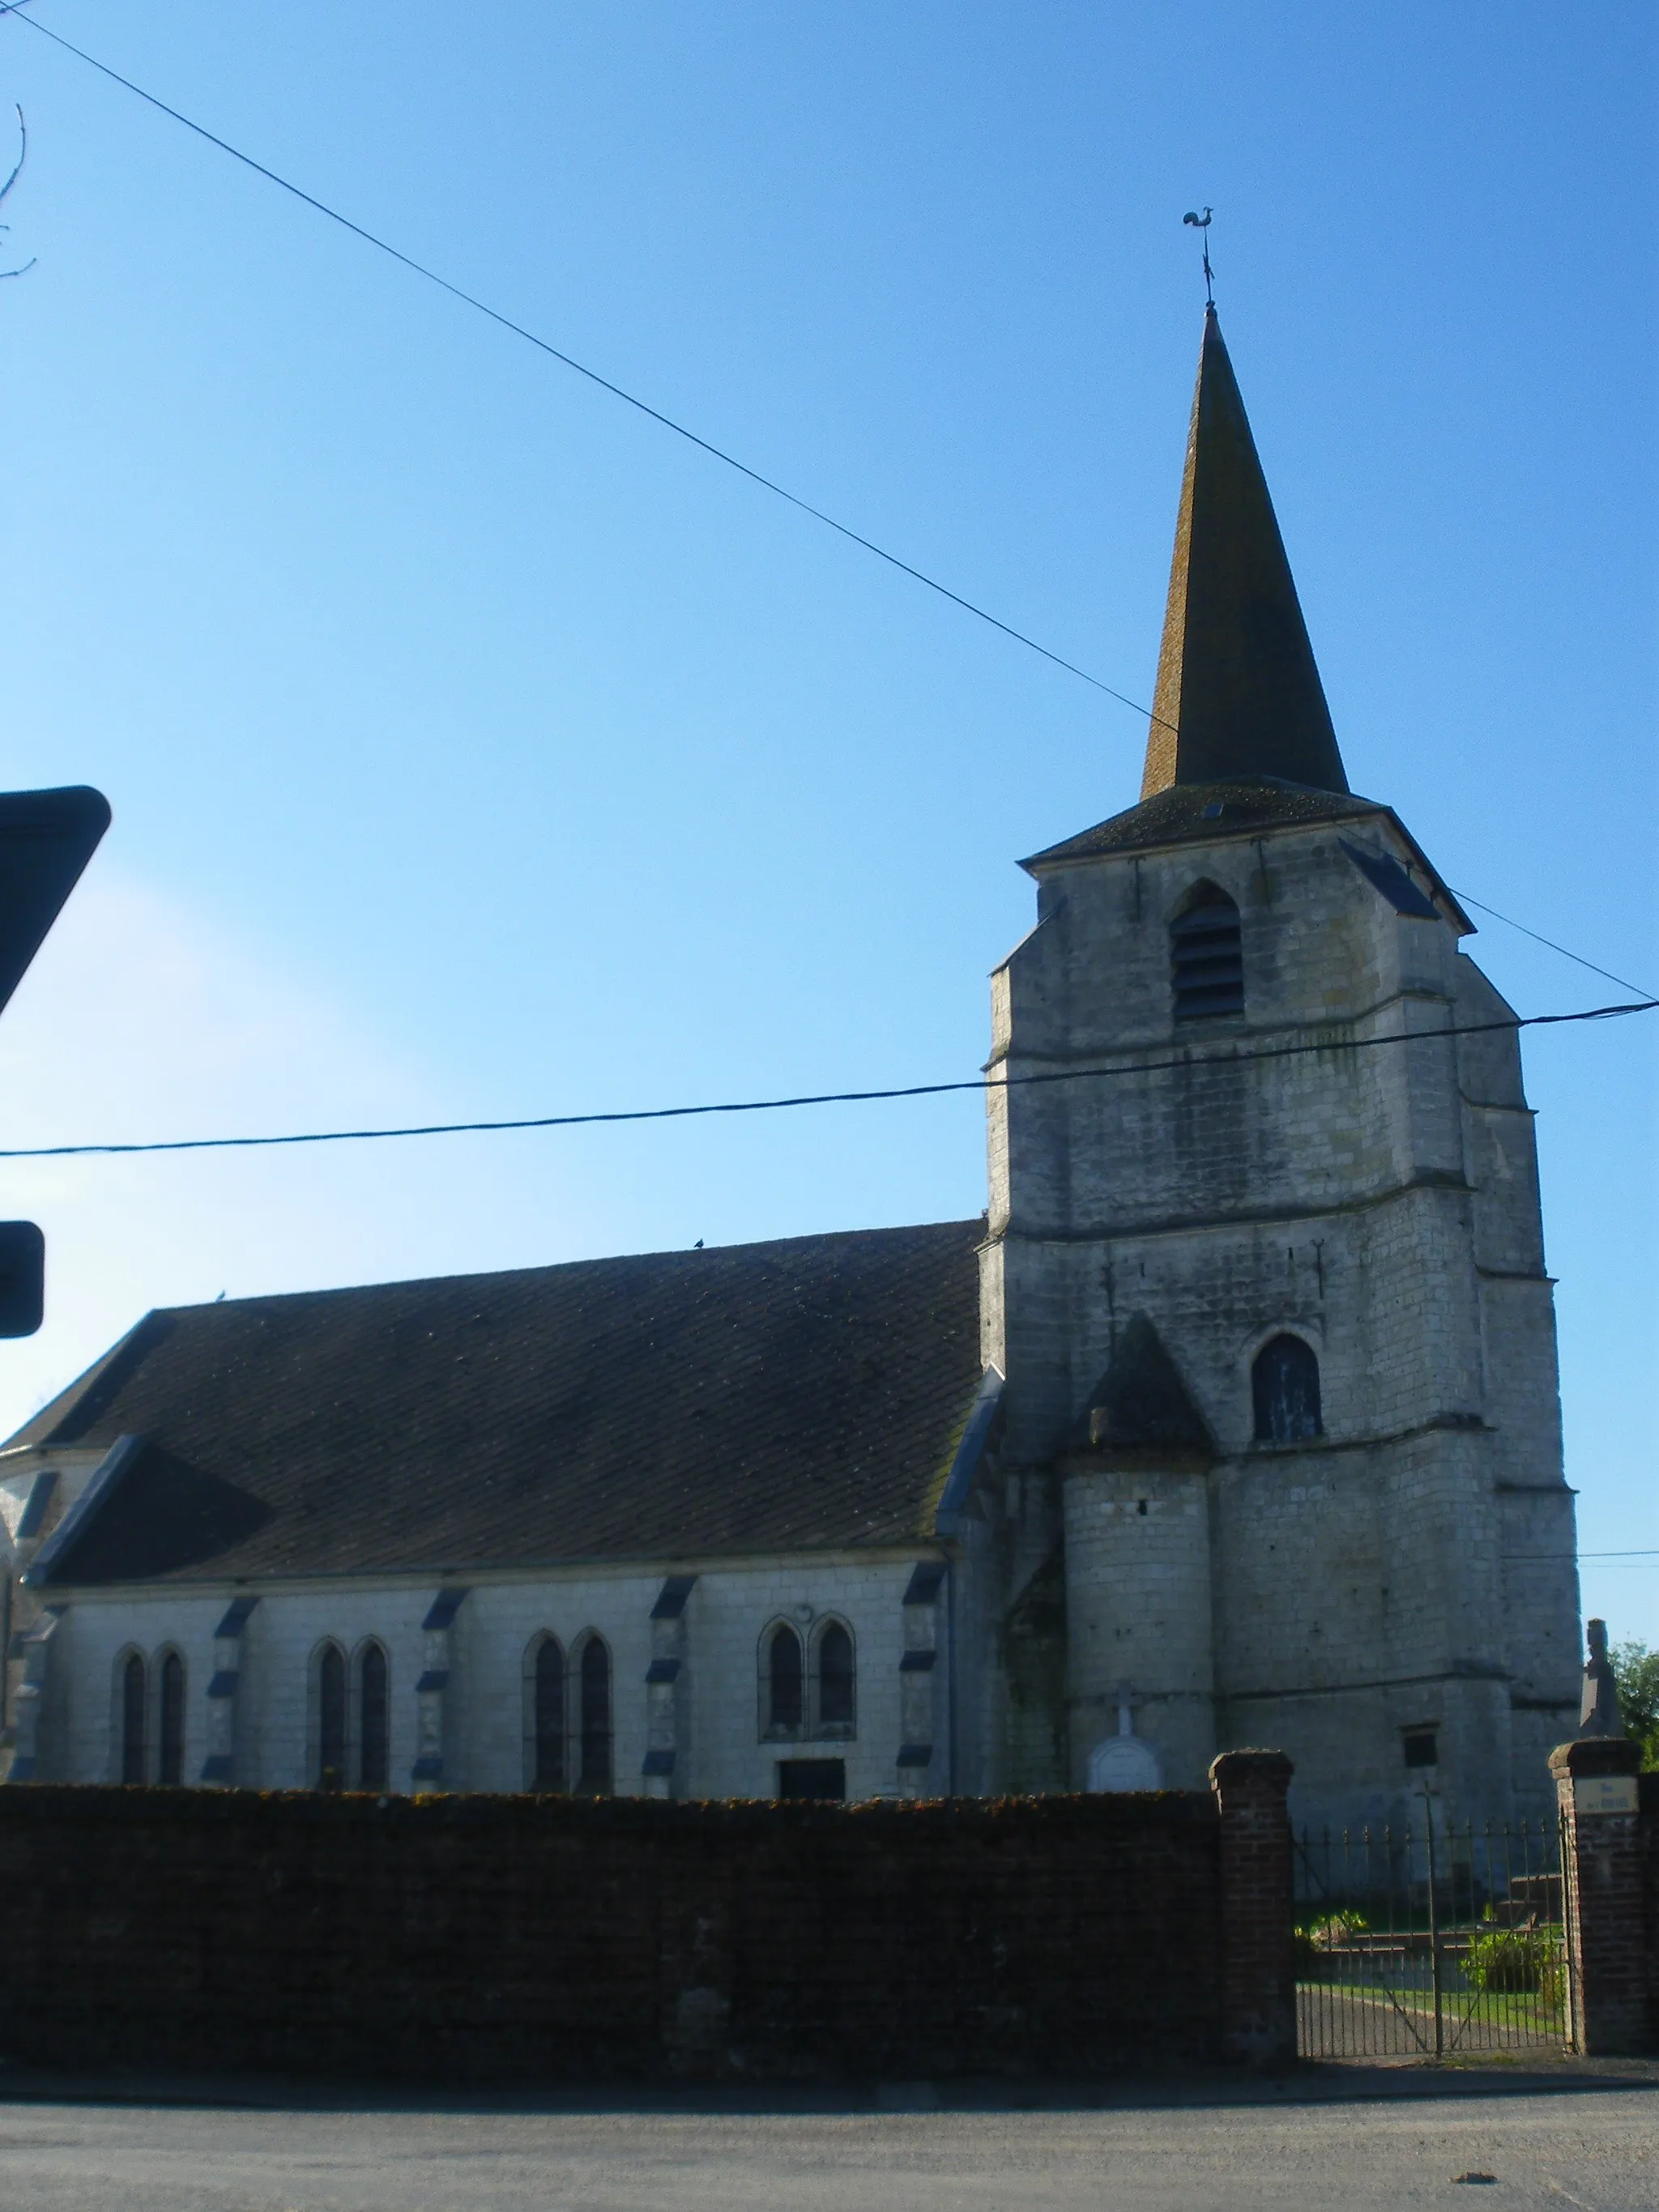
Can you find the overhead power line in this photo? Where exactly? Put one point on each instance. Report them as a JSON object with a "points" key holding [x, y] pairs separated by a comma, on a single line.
{"points": [[667, 421], [568, 361], [1510, 923], [987, 1082]]}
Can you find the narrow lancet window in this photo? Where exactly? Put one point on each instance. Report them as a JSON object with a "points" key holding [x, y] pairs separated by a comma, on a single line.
{"points": [[1285, 1382], [595, 1777], [836, 1686], [785, 1682], [133, 1691], [1206, 957], [374, 1707], [171, 1763], [331, 1719], [550, 1716]]}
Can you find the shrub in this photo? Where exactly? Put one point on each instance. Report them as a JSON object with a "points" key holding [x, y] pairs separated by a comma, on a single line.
{"points": [[1326, 1931], [1512, 1961]]}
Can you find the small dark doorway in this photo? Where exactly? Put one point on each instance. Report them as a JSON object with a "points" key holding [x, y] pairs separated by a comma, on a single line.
{"points": [[812, 1778]]}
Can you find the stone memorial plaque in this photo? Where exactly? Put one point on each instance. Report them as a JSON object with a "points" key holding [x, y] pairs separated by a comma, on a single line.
{"points": [[1604, 1793]]}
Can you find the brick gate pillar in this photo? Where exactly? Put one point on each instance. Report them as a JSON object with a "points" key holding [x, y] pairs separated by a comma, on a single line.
{"points": [[1602, 1880], [1258, 1943]]}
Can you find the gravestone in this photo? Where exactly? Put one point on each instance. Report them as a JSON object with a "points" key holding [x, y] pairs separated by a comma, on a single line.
{"points": [[1124, 1761]]}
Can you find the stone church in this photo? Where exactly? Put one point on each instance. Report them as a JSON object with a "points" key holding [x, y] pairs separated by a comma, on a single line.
{"points": [[1232, 1421]]}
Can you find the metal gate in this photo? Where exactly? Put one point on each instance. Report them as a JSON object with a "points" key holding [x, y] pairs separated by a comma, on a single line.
{"points": [[1429, 1939]]}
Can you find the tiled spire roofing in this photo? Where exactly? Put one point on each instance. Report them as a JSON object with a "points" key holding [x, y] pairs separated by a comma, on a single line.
{"points": [[1237, 693]]}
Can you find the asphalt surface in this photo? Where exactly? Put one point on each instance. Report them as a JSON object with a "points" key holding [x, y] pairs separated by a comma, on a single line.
{"points": [[1324, 2138]]}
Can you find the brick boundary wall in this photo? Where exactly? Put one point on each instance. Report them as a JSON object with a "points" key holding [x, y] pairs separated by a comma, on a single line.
{"points": [[1608, 1861], [523, 1938], [1649, 1787], [1258, 1906]]}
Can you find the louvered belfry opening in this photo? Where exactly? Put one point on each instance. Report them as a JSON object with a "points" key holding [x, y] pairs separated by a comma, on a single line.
{"points": [[1206, 957]]}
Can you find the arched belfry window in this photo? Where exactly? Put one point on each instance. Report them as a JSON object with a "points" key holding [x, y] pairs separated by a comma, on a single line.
{"points": [[1284, 1383], [547, 1757], [331, 1718], [1206, 957], [594, 1775], [373, 1718], [784, 1681], [134, 1690], [170, 1731]]}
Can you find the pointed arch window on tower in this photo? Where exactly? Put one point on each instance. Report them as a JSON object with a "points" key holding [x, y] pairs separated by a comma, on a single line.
{"points": [[1206, 957], [1284, 1383]]}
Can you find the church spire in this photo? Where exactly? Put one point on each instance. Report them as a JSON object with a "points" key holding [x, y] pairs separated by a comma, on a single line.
{"points": [[1238, 694]]}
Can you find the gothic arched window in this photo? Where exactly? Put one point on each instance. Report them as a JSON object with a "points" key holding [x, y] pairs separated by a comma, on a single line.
{"points": [[374, 1717], [1285, 1384], [786, 1682], [331, 1718], [595, 1681], [836, 1685], [134, 1693], [547, 1768], [171, 1731], [1207, 956]]}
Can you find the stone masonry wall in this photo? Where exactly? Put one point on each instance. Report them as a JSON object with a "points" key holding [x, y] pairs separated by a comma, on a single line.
{"points": [[488, 1704], [1411, 1569], [541, 1938]]}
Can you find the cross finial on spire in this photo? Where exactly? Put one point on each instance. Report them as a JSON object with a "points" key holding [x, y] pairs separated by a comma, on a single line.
{"points": [[1200, 223]]}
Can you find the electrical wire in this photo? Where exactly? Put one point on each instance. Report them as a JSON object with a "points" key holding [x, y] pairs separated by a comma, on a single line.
{"points": [[568, 361], [680, 429], [986, 1082], [1510, 923]]}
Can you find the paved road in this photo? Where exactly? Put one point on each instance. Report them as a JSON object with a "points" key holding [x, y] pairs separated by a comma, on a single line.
{"points": [[1350, 2140]]}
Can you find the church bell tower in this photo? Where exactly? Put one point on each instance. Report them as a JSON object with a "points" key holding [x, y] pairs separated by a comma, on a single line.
{"points": [[1265, 1270]]}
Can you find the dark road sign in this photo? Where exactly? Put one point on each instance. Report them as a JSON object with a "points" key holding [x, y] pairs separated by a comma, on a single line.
{"points": [[47, 838], [23, 1278]]}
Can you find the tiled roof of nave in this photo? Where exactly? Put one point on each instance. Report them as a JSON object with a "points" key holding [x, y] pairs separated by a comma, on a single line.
{"points": [[802, 1394]]}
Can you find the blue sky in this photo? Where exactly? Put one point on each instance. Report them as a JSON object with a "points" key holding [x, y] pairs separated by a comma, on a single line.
{"points": [[476, 747]]}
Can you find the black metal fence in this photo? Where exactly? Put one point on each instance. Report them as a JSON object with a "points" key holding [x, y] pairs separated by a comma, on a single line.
{"points": [[1429, 1939]]}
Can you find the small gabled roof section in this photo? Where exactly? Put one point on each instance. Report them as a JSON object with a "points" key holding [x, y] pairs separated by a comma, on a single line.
{"points": [[1384, 873], [1141, 1413]]}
